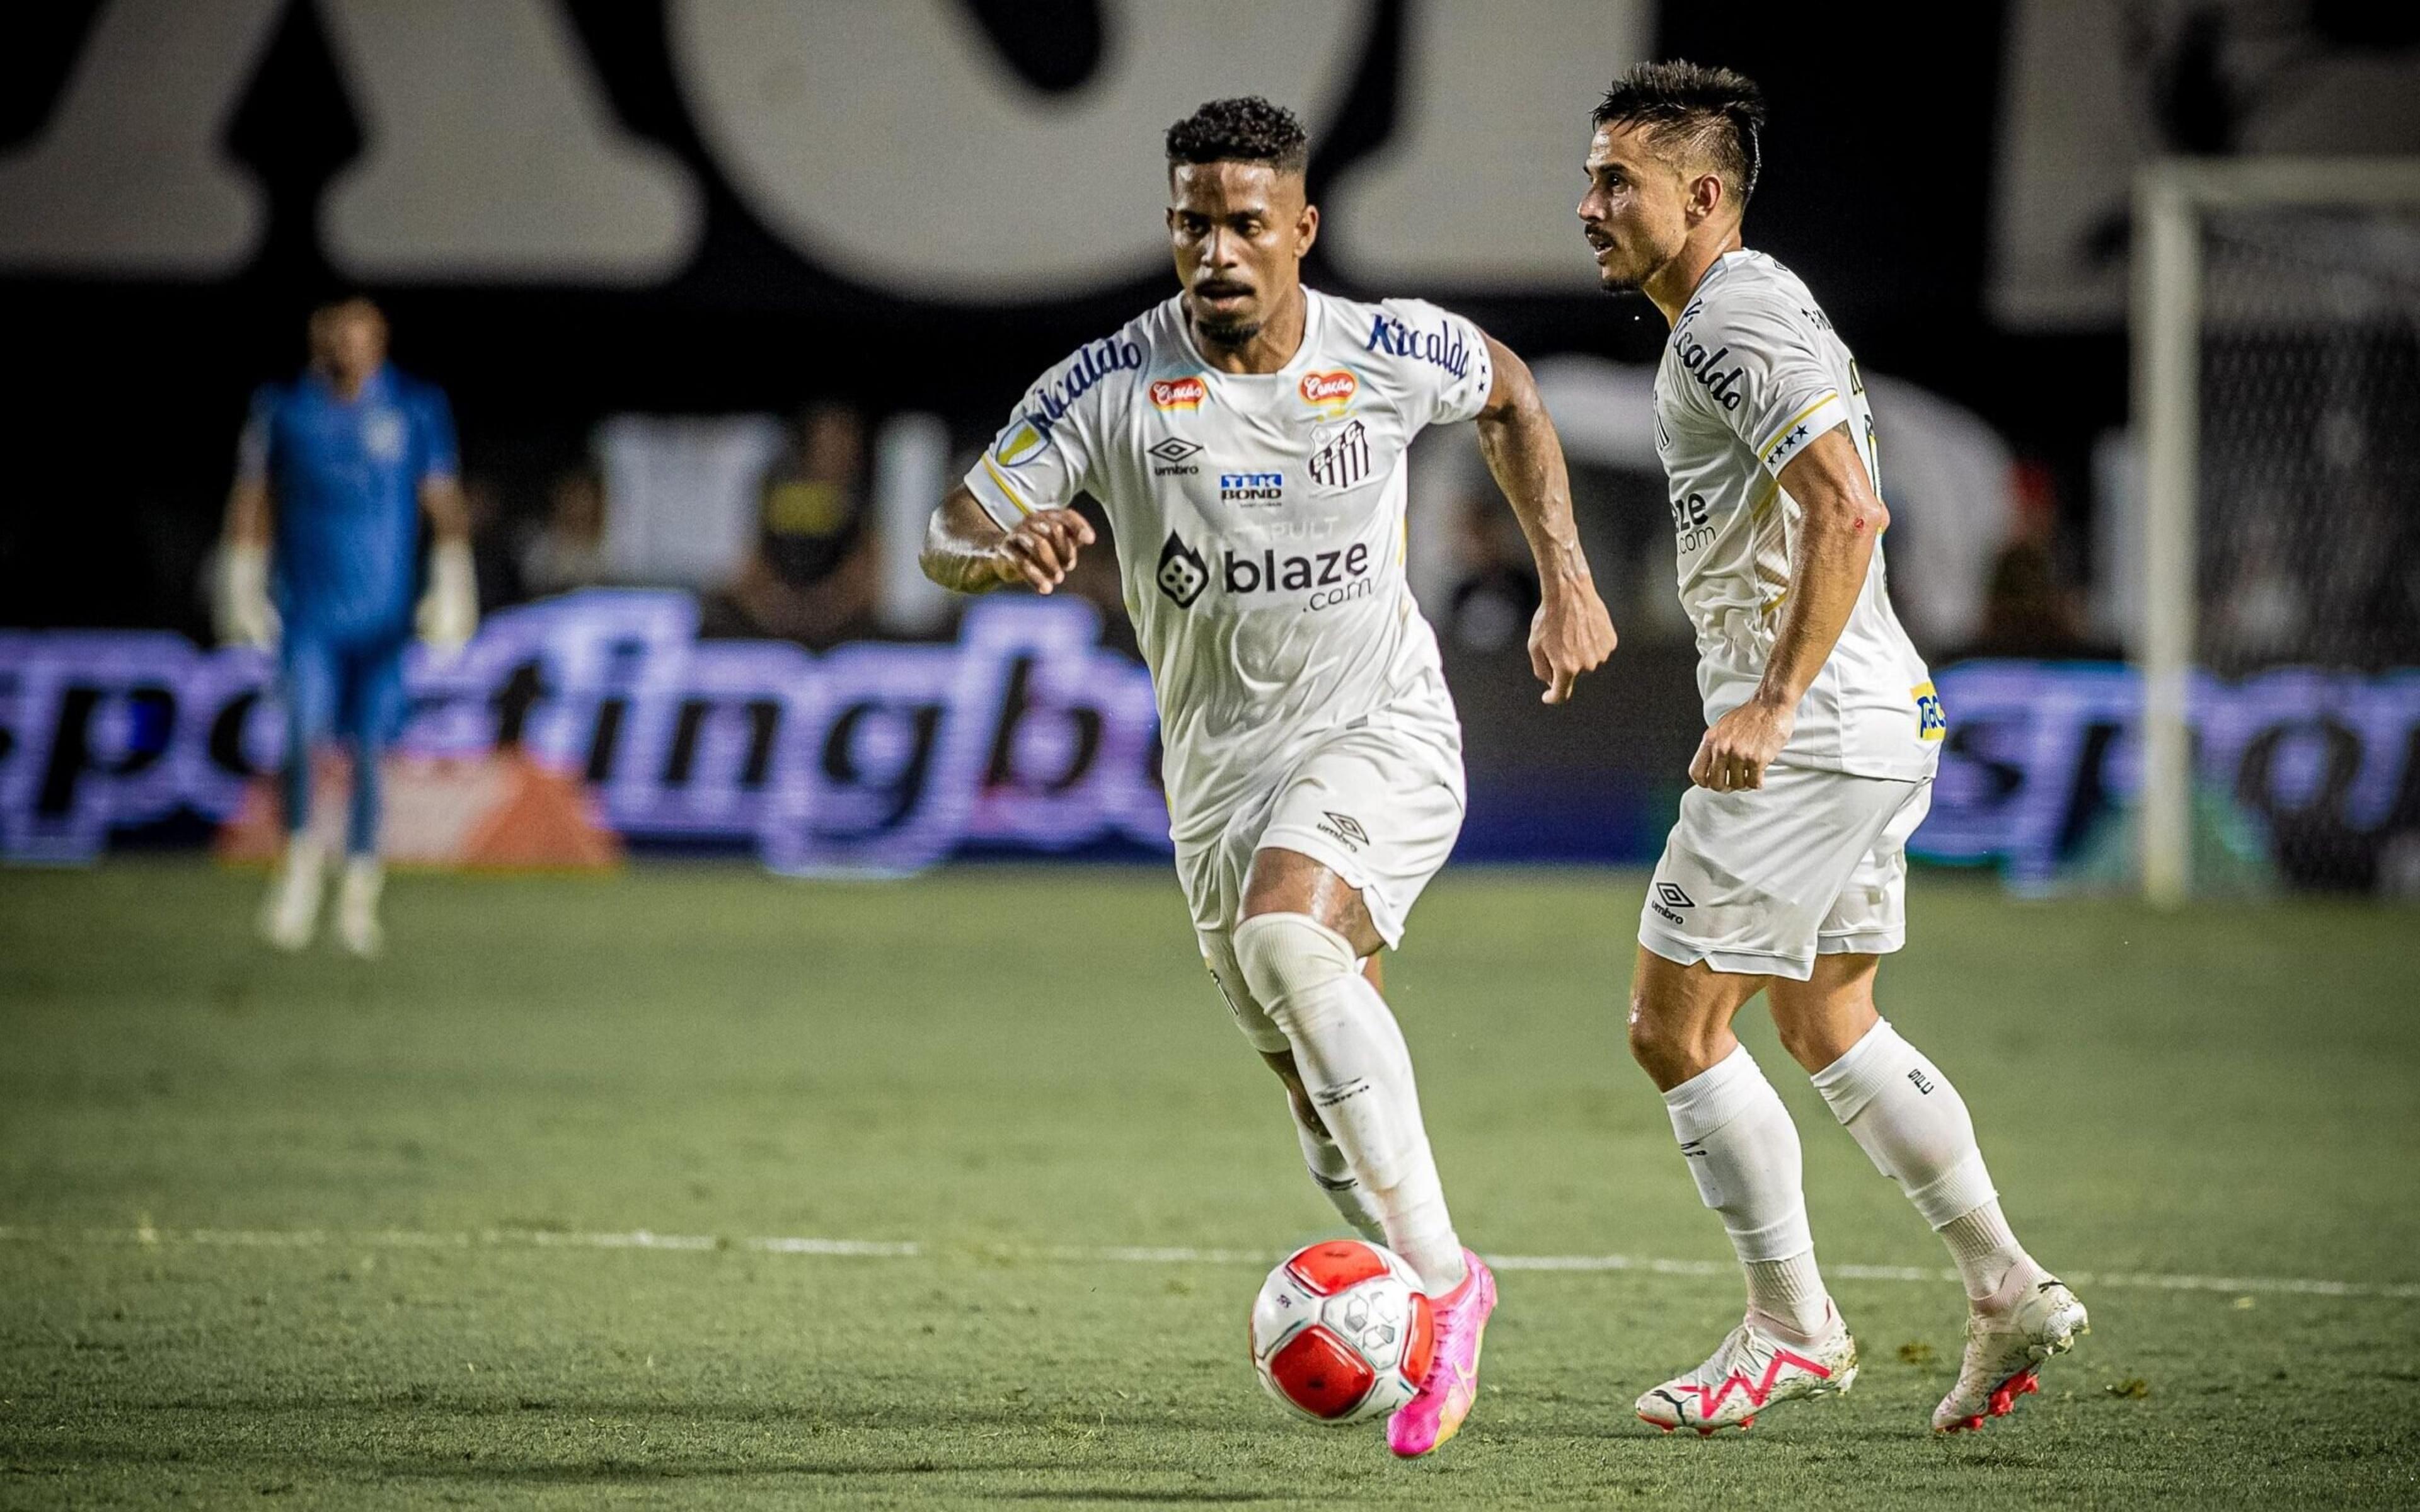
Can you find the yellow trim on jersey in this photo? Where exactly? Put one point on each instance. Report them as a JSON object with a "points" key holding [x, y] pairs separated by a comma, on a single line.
{"points": [[1022, 507], [1792, 424], [1763, 505], [1775, 602]]}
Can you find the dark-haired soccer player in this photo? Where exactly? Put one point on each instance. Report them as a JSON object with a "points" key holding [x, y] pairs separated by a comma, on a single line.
{"points": [[321, 560], [1786, 871], [1247, 440]]}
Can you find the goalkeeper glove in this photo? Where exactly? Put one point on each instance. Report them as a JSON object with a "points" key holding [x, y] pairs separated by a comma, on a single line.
{"points": [[244, 613], [449, 612]]}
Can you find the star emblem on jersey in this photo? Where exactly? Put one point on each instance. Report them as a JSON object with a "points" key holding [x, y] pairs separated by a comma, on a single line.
{"points": [[1182, 572], [1672, 895]]}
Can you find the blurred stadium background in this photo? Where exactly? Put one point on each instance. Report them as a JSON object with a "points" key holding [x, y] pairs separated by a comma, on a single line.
{"points": [[724, 293]]}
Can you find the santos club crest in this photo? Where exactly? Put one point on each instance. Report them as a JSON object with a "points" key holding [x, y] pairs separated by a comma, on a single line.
{"points": [[1341, 458]]}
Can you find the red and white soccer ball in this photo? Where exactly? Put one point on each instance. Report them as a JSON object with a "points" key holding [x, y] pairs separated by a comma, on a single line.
{"points": [[1341, 1332]]}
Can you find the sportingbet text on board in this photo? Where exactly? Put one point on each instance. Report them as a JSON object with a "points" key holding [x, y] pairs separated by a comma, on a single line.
{"points": [[875, 757]]}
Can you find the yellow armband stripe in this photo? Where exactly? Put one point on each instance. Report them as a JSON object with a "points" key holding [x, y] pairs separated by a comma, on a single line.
{"points": [[1792, 424], [1022, 507]]}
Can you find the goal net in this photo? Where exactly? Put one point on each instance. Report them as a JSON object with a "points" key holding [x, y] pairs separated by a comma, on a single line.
{"points": [[2278, 352]]}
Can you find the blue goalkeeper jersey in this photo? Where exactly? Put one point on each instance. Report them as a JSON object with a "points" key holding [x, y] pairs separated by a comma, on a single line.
{"points": [[344, 480]]}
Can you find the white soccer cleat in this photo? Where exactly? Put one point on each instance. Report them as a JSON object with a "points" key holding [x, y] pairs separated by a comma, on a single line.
{"points": [[1751, 1372], [2006, 1344], [290, 916], [357, 921]]}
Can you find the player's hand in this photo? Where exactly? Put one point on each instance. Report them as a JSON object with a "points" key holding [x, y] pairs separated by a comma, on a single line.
{"points": [[240, 608], [1041, 551], [1570, 634], [448, 615], [1742, 743]]}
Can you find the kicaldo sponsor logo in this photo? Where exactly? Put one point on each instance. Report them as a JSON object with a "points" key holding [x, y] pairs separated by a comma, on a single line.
{"points": [[1330, 391], [1179, 394]]}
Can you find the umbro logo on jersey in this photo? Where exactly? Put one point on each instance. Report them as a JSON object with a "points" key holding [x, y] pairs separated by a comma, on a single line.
{"points": [[1345, 827], [1174, 455], [1182, 572], [1670, 892], [1343, 459]]}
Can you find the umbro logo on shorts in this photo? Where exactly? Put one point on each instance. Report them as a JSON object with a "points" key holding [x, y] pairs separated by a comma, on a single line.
{"points": [[1672, 895], [1346, 828]]}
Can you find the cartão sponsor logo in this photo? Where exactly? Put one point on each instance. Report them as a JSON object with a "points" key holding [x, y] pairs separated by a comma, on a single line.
{"points": [[1330, 391], [1179, 394]]}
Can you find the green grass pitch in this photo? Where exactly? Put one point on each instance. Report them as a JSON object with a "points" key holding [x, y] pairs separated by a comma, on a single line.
{"points": [[319, 1231]]}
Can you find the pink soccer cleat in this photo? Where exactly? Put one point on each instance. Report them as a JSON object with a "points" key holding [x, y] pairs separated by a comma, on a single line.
{"points": [[1452, 1386]]}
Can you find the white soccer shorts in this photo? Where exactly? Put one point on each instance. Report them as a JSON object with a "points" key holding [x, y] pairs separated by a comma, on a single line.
{"points": [[1760, 883], [1379, 808]]}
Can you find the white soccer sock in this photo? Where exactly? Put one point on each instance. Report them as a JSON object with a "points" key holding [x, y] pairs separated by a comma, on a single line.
{"points": [[1358, 1071], [1915, 1127], [1743, 1150], [1333, 1175]]}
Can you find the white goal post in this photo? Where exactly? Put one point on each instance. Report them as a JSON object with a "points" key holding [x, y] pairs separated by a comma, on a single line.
{"points": [[2172, 201]]}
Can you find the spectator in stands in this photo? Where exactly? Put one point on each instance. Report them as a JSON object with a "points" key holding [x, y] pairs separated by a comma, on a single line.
{"points": [[812, 576], [568, 550]]}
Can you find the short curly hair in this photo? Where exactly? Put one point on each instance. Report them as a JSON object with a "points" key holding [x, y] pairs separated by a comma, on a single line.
{"points": [[1713, 114], [1246, 129]]}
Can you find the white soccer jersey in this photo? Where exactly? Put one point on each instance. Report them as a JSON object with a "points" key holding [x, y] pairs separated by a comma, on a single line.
{"points": [[1753, 373], [1260, 528]]}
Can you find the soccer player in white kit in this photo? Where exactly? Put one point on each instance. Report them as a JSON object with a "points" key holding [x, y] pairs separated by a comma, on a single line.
{"points": [[1787, 872], [1247, 440]]}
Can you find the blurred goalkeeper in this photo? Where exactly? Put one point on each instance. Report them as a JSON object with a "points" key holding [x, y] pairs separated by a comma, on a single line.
{"points": [[320, 564]]}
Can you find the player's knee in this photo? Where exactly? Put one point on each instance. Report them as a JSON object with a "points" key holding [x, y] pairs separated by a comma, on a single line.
{"points": [[1289, 960], [1672, 1046]]}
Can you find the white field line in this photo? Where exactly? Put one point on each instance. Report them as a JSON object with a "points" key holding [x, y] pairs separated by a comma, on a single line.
{"points": [[643, 1239]]}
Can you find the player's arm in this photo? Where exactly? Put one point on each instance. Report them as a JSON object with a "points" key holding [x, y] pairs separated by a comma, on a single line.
{"points": [[448, 615], [966, 552], [242, 607], [1841, 518], [1572, 633]]}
